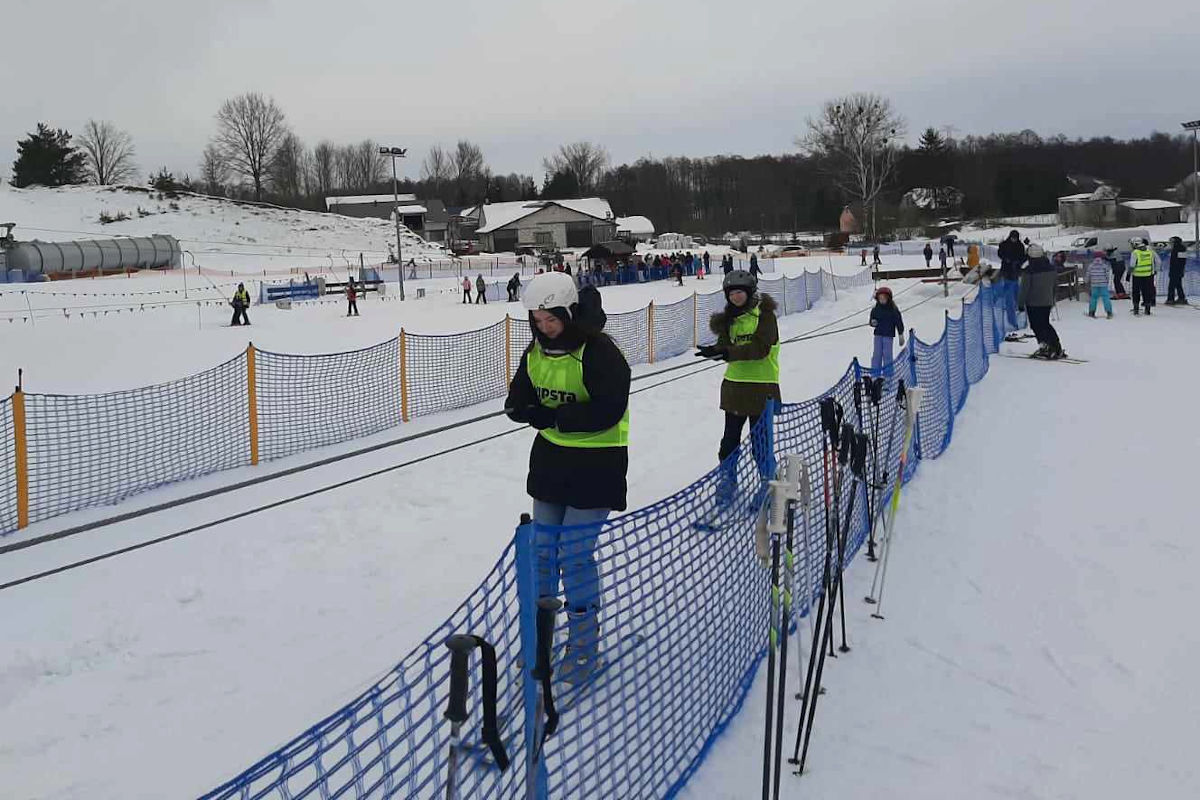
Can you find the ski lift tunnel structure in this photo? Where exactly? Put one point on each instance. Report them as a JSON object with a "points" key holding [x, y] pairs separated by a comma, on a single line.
{"points": [[37, 260]]}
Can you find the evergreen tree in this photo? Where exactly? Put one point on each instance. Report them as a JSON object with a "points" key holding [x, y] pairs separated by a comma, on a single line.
{"points": [[164, 181], [47, 158], [932, 143], [560, 186]]}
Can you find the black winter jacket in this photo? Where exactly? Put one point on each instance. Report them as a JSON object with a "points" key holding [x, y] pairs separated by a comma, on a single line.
{"points": [[1012, 256], [887, 320], [580, 477]]}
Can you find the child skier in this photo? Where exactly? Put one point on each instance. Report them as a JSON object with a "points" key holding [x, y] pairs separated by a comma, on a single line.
{"points": [[748, 338], [466, 284], [351, 299], [1035, 296], [1098, 273], [887, 323]]}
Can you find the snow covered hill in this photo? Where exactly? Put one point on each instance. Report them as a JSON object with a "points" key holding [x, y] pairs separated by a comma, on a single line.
{"points": [[221, 234]]}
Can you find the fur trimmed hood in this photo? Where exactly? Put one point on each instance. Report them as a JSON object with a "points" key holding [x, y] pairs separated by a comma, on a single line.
{"points": [[719, 322]]}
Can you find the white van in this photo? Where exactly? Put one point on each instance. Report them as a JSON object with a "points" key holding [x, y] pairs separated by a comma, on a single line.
{"points": [[1117, 239]]}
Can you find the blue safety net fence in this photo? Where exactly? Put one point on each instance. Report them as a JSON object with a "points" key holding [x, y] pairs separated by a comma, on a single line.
{"points": [[683, 604]]}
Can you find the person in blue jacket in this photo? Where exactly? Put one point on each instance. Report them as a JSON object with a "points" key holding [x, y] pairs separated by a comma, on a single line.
{"points": [[887, 323]]}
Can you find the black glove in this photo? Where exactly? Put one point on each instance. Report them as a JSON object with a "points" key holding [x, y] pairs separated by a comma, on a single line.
{"points": [[516, 414], [712, 351], [541, 417]]}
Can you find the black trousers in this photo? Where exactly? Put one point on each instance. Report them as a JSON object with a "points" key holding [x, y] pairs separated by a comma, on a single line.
{"points": [[734, 423], [1118, 272], [352, 308], [512, 295], [480, 297], [1175, 285], [240, 312], [1143, 289], [466, 296], [1039, 323]]}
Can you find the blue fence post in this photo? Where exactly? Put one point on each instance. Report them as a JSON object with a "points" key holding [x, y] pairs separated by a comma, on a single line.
{"points": [[769, 411], [912, 382], [527, 595]]}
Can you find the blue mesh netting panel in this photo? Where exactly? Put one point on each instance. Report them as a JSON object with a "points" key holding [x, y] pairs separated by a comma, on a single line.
{"points": [[8, 468], [956, 363], [392, 741], [673, 328], [631, 332], [682, 622], [455, 370], [316, 400], [975, 361], [706, 306], [87, 450]]}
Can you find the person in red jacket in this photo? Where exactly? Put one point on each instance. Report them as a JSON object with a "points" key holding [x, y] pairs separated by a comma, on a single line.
{"points": [[351, 299]]}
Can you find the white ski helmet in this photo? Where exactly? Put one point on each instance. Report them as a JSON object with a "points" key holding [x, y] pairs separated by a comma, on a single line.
{"points": [[551, 290]]}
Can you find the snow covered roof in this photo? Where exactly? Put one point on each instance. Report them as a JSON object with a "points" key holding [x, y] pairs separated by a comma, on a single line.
{"points": [[636, 225], [1149, 205], [367, 199], [1074, 198], [499, 215], [413, 209]]}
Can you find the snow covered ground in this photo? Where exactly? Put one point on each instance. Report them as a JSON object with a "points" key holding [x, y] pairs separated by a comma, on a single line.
{"points": [[162, 672], [1039, 640]]}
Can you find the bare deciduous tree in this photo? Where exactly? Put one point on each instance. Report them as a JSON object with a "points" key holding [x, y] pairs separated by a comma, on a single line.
{"points": [[437, 169], [583, 161], [213, 170], [109, 153], [359, 166], [856, 138], [468, 167], [288, 167], [324, 166], [250, 128]]}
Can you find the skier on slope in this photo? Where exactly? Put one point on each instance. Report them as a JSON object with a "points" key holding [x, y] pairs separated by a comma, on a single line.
{"points": [[887, 323], [1035, 296], [1143, 265], [1098, 273], [1178, 264], [240, 302], [572, 385], [748, 338], [1012, 256], [480, 290], [351, 299], [928, 253], [466, 286]]}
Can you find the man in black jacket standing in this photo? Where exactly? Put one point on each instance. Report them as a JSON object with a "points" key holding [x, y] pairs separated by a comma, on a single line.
{"points": [[1012, 256], [1175, 274]]}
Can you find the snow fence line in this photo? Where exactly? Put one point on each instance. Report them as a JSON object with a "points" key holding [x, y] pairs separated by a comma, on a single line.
{"points": [[62, 453], [683, 620]]}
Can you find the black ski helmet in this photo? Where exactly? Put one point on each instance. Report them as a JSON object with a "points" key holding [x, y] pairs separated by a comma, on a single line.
{"points": [[739, 279]]}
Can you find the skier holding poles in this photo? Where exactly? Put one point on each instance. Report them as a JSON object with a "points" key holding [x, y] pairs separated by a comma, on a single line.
{"points": [[572, 385]]}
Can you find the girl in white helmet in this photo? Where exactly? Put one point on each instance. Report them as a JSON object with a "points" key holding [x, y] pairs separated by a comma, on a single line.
{"points": [[572, 385]]}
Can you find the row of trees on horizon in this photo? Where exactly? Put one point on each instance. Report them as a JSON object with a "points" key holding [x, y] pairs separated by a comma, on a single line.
{"points": [[852, 153]]}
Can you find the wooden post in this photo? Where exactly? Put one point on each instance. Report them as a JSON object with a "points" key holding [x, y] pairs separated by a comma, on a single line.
{"points": [[507, 350], [252, 402], [403, 376], [650, 327], [21, 448], [695, 320]]}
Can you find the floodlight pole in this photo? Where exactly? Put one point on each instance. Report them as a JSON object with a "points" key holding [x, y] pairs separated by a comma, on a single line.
{"points": [[396, 152], [1194, 127]]}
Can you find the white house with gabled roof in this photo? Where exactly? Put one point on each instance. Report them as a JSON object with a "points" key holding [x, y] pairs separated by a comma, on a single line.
{"points": [[544, 223]]}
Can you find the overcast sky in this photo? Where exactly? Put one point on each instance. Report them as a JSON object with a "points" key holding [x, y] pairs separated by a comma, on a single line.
{"points": [[651, 77]]}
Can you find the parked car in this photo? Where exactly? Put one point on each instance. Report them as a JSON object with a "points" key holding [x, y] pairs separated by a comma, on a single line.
{"points": [[465, 247]]}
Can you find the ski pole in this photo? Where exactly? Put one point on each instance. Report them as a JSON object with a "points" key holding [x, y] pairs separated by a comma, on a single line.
{"points": [[912, 410], [547, 716], [796, 480], [881, 487], [849, 440], [460, 646], [858, 456], [773, 635], [874, 387]]}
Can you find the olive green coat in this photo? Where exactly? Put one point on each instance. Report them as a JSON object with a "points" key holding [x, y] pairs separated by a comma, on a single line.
{"points": [[747, 399]]}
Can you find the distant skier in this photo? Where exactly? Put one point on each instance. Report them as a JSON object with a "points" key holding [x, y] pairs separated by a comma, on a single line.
{"points": [[1035, 296], [928, 253], [727, 264], [748, 338], [707, 262], [572, 385], [949, 240], [514, 288], [887, 323], [240, 302], [351, 299], [942, 258], [754, 270], [863, 253], [480, 290], [1143, 266], [466, 284], [1175, 272], [1012, 256], [1098, 273], [875, 255]]}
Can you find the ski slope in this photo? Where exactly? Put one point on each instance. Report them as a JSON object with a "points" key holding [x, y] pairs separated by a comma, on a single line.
{"points": [[1038, 635]]}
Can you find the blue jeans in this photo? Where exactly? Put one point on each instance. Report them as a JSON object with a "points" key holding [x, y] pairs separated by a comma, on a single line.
{"points": [[1008, 296], [569, 554], [881, 356], [1100, 293]]}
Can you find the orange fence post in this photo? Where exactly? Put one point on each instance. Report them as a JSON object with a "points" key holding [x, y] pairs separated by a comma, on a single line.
{"points": [[252, 402], [20, 445], [403, 376], [507, 350], [650, 326]]}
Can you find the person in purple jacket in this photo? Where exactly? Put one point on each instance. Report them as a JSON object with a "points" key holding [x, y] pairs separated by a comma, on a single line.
{"points": [[887, 323], [1098, 273]]}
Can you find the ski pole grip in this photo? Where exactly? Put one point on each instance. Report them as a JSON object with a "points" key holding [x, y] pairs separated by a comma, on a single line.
{"points": [[547, 614], [460, 646], [844, 445], [858, 455], [829, 418], [805, 483]]}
